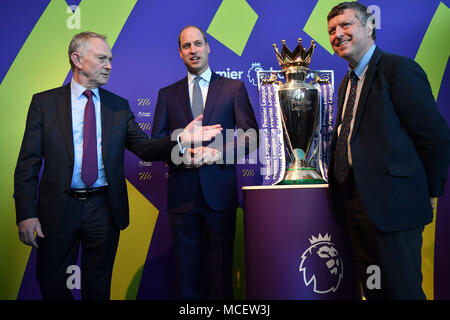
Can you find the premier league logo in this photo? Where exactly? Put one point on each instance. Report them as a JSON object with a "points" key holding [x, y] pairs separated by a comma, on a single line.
{"points": [[321, 265], [252, 73]]}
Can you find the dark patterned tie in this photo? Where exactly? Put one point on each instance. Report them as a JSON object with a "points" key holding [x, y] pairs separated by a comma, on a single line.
{"points": [[89, 167], [341, 166], [197, 99]]}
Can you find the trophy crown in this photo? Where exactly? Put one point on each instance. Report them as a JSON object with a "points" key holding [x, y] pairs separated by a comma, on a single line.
{"points": [[299, 57]]}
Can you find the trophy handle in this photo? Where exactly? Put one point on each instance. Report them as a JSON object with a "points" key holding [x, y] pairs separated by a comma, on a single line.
{"points": [[316, 130], [289, 147], [319, 80]]}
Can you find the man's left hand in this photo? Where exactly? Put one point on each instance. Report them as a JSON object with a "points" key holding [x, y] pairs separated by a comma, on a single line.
{"points": [[197, 157], [210, 155]]}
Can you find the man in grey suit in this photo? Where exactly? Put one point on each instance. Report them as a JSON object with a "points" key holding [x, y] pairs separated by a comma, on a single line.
{"points": [[80, 131]]}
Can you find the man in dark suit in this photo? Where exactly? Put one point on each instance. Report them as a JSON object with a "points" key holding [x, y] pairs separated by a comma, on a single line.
{"points": [[202, 196], [80, 132], [389, 156]]}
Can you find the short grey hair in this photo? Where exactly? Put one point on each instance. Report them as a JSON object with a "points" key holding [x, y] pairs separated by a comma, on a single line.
{"points": [[79, 42]]}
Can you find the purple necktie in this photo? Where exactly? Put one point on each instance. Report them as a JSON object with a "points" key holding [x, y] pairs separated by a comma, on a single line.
{"points": [[89, 167], [341, 166]]}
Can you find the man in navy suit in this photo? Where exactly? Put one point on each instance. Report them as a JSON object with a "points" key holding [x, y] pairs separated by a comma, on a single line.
{"points": [[389, 155], [202, 196], [80, 132]]}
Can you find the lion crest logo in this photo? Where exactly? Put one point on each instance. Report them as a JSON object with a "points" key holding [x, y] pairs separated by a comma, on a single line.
{"points": [[321, 265], [252, 75]]}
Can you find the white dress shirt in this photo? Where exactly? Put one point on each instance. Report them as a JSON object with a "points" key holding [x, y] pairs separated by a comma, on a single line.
{"points": [[79, 101], [360, 71], [203, 83], [204, 86]]}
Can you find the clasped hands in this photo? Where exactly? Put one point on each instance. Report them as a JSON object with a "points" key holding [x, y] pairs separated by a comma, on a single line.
{"points": [[196, 157]]}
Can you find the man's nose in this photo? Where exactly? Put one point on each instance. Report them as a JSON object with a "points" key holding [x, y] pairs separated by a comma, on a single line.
{"points": [[339, 32], [108, 65]]}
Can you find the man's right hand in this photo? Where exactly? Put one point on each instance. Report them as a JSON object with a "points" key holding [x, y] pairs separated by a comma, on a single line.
{"points": [[27, 228], [195, 133]]}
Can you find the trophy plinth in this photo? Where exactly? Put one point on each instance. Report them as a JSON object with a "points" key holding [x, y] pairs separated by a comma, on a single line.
{"points": [[299, 103]]}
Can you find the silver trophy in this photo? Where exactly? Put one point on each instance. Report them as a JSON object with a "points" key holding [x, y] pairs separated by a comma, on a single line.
{"points": [[299, 103]]}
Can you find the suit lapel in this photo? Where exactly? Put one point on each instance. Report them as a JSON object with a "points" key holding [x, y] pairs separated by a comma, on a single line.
{"points": [[107, 118], [368, 81], [183, 94], [215, 85], [64, 111]]}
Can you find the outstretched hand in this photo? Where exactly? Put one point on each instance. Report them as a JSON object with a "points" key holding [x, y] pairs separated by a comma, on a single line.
{"points": [[195, 133]]}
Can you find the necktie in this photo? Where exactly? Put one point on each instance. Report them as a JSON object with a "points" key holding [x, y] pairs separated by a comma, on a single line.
{"points": [[197, 99], [89, 166], [341, 166]]}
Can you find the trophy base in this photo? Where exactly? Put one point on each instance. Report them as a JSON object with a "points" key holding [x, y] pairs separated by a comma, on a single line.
{"points": [[299, 171], [302, 175]]}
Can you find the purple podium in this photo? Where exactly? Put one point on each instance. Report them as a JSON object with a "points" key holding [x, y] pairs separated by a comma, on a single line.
{"points": [[293, 247]]}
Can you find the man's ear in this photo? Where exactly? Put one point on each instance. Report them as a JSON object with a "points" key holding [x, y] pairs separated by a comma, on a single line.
{"points": [[370, 29], [75, 57], [370, 25]]}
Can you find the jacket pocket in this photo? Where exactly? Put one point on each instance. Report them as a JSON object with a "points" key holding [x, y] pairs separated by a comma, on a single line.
{"points": [[402, 170]]}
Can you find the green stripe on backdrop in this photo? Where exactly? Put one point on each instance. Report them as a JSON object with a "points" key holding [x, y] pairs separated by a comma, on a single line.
{"points": [[232, 24], [432, 56], [316, 26], [41, 64], [434, 50]]}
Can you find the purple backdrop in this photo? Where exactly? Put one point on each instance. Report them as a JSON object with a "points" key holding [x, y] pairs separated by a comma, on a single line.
{"points": [[146, 58]]}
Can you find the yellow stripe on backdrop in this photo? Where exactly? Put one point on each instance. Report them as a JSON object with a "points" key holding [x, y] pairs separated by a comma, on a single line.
{"points": [[41, 64], [316, 26], [428, 236], [133, 247], [433, 56]]}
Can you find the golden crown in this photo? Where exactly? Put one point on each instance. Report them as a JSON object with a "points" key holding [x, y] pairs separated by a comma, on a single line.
{"points": [[298, 57]]}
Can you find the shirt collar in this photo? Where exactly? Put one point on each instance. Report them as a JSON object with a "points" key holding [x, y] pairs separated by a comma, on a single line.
{"points": [[205, 75], [364, 62], [78, 89]]}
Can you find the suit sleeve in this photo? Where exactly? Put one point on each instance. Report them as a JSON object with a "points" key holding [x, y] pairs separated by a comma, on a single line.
{"points": [[415, 104], [155, 149], [160, 127], [26, 175], [247, 128]]}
